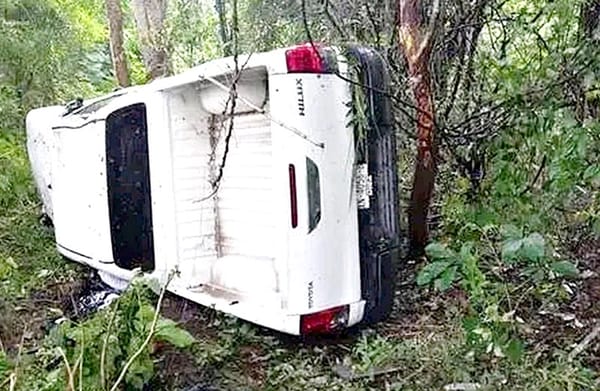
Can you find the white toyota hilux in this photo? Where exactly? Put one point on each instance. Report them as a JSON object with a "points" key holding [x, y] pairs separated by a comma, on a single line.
{"points": [[255, 185]]}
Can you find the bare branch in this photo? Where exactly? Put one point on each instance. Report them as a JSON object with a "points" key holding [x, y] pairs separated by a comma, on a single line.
{"points": [[427, 40], [536, 177], [332, 19], [585, 342]]}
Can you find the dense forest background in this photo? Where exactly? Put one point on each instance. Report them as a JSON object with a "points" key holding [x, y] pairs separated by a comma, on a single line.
{"points": [[496, 104]]}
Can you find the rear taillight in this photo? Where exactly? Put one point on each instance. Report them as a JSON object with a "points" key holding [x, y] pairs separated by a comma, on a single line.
{"points": [[327, 321], [293, 196], [309, 58]]}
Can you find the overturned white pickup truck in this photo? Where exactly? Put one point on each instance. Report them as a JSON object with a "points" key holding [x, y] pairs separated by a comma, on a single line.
{"points": [[254, 184]]}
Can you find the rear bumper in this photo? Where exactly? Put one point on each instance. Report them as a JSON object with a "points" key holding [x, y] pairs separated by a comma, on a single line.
{"points": [[269, 316]]}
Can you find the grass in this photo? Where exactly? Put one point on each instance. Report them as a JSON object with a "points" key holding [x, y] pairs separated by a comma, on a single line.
{"points": [[368, 360], [28, 259], [418, 350]]}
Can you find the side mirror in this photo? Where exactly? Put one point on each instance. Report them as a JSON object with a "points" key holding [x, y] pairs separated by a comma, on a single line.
{"points": [[73, 105]]}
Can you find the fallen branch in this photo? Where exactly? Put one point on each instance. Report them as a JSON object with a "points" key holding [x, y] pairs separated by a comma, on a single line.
{"points": [[8, 379], [348, 374], [13, 381], [581, 346]]}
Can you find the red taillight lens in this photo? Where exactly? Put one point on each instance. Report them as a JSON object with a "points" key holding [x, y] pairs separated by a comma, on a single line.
{"points": [[327, 321], [293, 196], [305, 59]]}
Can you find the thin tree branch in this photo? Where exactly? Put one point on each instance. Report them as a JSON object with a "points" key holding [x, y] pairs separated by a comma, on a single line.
{"points": [[373, 24], [334, 21], [148, 337], [536, 177], [231, 101], [105, 345], [585, 342], [427, 41]]}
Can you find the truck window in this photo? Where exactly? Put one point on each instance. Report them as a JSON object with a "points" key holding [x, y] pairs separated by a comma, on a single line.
{"points": [[128, 185], [314, 194]]}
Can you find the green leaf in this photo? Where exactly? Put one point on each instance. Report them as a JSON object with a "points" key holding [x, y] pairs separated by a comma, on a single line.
{"points": [[582, 144], [534, 247], [591, 172], [168, 331], [510, 248], [431, 272], [538, 275], [514, 350], [510, 231], [592, 175], [144, 316], [4, 364], [154, 284], [446, 279], [596, 227], [565, 269], [140, 371], [470, 323], [437, 250], [465, 252]]}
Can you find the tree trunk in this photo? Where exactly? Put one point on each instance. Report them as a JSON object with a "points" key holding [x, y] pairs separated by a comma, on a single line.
{"points": [[150, 21], [588, 107], [223, 31], [416, 47], [115, 28], [590, 12]]}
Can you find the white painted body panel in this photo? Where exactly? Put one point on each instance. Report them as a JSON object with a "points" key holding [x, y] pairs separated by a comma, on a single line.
{"points": [[236, 251], [40, 147]]}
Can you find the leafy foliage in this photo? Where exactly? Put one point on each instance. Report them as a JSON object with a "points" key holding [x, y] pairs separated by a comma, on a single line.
{"points": [[45, 57], [516, 81], [192, 34], [103, 343]]}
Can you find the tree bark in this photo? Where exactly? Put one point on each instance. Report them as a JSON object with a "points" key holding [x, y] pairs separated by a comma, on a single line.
{"points": [[589, 20], [223, 31], [416, 46], [115, 27], [590, 12], [150, 18]]}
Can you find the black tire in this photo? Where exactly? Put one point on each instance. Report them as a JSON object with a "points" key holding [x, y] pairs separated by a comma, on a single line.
{"points": [[379, 226]]}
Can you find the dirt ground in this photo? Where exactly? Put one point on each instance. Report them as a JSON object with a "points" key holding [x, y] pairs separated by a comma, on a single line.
{"points": [[26, 321]]}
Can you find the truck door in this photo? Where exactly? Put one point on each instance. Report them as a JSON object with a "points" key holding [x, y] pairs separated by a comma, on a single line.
{"points": [[79, 190]]}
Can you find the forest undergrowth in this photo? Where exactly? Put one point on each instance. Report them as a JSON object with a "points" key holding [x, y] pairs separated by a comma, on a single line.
{"points": [[507, 296]]}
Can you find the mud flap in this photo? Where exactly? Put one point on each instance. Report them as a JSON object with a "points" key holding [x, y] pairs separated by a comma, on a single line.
{"points": [[378, 219]]}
